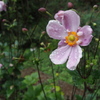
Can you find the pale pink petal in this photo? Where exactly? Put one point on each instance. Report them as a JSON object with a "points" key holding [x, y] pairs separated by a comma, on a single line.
{"points": [[1, 65], [87, 35], [61, 43], [60, 55], [56, 30], [59, 16], [71, 20], [74, 57], [78, 28], [2, 6]]}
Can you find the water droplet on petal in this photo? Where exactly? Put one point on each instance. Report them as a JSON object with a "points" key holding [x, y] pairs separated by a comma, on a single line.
{"points": [[80, 33]]}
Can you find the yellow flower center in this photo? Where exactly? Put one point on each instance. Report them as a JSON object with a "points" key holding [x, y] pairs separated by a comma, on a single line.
{"points": [[72, 38]]}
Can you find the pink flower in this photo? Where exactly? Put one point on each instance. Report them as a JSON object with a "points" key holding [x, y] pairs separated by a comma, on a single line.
{"points": [[1, 65], [66, 28], [2, 6]]}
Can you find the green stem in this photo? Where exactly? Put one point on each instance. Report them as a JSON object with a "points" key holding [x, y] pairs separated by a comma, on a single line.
{"points": [[54, 80], [96, 48], [48, 14], [85, 89], [41, 81]]}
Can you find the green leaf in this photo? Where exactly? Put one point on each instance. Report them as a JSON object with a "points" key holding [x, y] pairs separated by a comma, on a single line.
{"points": [[78, 97], [31, 79], [9, 92]]}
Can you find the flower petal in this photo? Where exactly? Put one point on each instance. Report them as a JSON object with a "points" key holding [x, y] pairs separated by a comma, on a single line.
{"points": [[59, 16], [2, 6], [87, 35], [71, 20], [74, 57], [61, 43], [56, 30], [60, 55]]}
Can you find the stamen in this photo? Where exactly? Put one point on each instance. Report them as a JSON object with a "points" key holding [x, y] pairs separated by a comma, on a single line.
{"points": [[72, 38]]}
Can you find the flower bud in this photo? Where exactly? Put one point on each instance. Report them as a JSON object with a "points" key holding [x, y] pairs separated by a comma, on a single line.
{"points": [[2, 6], [24, 29], [70, 5], [42, 44], [43, 32], [4, 20], [11, 87], [87, 66], [91, 64], [97, 39], [32, 49], [94, 24], [95, 7], [57, 74], [42, 10], [11, 65]]}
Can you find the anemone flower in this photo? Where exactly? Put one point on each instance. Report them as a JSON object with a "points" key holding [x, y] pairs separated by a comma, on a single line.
{"points": [[2, 6], [66, 28]]}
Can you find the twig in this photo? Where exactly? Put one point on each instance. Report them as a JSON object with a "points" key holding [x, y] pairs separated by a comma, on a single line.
{"points": [[85, 89], [41, 81], [54, 80]]}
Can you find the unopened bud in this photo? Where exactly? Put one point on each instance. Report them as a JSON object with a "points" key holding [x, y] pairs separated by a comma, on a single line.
{"points": [[42, 10], [70, 5], [24, 29], [43, 32], [4, 20], [96, 39], [57, 74], [87, 66], [32, 49], [91, 64], [11, 65], [95, 7], [42, 44], [94, 24], [11, 87]]}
